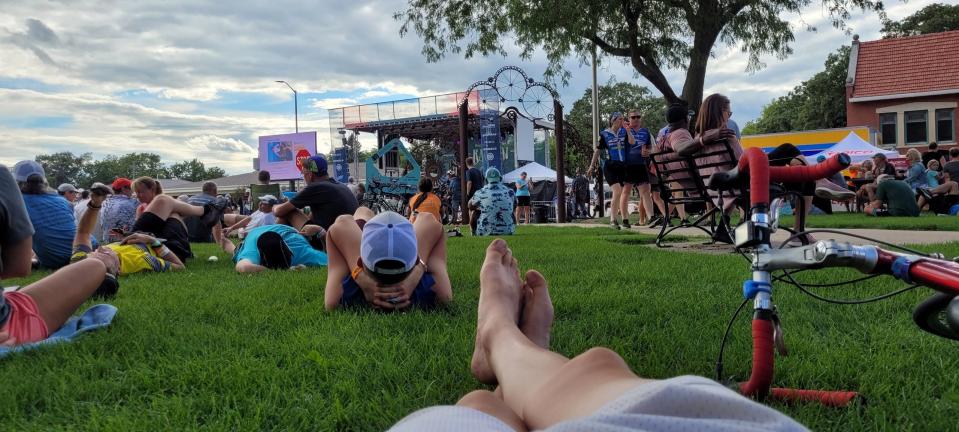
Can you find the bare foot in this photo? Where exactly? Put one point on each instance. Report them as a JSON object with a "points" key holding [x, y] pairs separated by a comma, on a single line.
{"points": [[501, 295], [537, 320]]}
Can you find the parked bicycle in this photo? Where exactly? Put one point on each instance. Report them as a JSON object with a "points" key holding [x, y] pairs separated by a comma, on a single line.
{"points": [[379, 200], [938, 315]]}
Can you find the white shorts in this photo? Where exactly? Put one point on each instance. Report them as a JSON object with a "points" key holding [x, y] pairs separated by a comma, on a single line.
{"points": [[682, 403]]}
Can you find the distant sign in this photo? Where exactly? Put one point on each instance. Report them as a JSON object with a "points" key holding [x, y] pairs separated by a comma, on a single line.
{"points": [[341, 167], [281, 154]]}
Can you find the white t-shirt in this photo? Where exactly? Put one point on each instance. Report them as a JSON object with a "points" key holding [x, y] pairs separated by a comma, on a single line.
{"points": [[259, 218]]}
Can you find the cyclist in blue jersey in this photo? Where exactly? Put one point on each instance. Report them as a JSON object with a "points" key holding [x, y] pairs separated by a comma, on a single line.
{"points": [[637, 174], [615, 140]]}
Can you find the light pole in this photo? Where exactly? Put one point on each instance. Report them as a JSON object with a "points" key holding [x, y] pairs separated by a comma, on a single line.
{"points": [[296, 107]]}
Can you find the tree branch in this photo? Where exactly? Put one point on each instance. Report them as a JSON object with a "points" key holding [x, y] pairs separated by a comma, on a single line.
{"points": [[605, 46]]}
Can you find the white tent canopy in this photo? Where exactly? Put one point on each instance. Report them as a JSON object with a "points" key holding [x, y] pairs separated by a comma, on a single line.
{"points": [[854, 146], [534, 171]]}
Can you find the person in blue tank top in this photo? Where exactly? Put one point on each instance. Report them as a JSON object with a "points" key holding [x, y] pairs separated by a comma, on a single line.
{"points": [[637, 172], [615, 141], [522, 198]]}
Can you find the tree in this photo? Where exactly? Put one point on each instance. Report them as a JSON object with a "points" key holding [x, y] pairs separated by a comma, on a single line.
{"points": [[612, 97], [817, 103], [651, 35], [130, 165], [426, 153], [64, 167], [934, 18]]}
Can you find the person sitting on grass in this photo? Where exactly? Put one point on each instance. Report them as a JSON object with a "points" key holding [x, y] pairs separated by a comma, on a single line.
{"points": [[163, 216], [262, 216], [492, 207], [119, 212], [426, 201], [54, 224], [135, 253], [326, 198], [540, 389], [892, 198], [940, 199], [916, 175], [276, 247], [933, 174], [386, 262], [31, 313]]}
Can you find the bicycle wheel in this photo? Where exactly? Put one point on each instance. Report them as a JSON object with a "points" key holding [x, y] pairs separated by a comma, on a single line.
{"points": [[939, 315]]}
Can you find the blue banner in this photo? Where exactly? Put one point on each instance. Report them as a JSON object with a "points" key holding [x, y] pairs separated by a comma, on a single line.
{"points": [[489, 137], [341, 165]]}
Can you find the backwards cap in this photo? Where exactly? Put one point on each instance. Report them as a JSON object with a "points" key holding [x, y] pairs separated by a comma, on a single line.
{"points": [[388, 236]]}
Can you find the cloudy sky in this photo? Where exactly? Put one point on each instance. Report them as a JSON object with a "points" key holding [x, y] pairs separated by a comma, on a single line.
{"points": [[189, 79]]}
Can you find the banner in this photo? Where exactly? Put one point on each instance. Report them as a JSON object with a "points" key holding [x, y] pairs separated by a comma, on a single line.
{"points": [[341, 165], [489, 137], [279, 154]]}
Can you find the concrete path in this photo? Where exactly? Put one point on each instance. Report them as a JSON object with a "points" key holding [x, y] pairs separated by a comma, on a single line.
{"points": [[891, 236]]}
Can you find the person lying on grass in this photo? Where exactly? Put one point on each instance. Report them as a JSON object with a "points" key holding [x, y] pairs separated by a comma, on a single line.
{"points": [[386, 262], [596, 390], [137, 252], [262, 216], [161, 216], [275, 247], [29, 314]]}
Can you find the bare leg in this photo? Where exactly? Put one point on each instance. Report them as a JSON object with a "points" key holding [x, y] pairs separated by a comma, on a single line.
{"points": [[224, 242], [295, 219], [624, 200], [59, 294], [614, 202], [526, 209], [516, 213], [541, 386], [343, 251], [165, 206], [431, 246], [232, 218], [660, 203], [646, 199]]}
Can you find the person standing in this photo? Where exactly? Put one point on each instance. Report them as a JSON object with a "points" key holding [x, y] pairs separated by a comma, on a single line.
{"points": [[614, 141], [637, 173], [456, 195], [522, 198], [581, 194], [474, 181]]}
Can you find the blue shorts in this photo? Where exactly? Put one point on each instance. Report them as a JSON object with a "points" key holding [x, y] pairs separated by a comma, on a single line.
{"points": [[423, 295]]}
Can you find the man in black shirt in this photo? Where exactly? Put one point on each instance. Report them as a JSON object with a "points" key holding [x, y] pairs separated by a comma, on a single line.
{"points": [[327, 198], [934, 154], [475, 180]]}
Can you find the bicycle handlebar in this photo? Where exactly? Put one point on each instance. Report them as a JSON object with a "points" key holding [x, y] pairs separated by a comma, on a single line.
{"points": [[755, 163]]}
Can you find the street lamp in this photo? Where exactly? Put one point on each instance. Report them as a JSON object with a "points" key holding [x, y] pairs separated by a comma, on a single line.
{"points": [[296, 114]]}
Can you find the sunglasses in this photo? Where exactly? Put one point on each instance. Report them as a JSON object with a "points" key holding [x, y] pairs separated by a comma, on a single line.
{"points": [[635, 117]]}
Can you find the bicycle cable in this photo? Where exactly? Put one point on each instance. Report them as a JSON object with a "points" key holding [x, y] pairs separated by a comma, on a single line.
{"points": [[722, 345]]}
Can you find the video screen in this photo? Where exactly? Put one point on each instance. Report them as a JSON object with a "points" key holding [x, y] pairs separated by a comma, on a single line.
{"points": [[279, 153]]}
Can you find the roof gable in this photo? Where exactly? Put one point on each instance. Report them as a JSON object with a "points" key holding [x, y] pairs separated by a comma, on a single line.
{"points": [[915, 64]]}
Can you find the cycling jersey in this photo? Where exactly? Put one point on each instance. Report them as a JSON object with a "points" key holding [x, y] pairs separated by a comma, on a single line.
{"points": [[614, 143]]}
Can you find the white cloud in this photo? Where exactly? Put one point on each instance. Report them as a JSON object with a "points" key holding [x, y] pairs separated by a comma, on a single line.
{"points": [[332, 103]]}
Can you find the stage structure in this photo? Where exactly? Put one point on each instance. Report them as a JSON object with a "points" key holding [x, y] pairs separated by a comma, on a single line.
{"points": [[505, 121]]}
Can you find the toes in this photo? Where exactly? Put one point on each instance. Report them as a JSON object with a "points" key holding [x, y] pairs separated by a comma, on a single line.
{"points": [[496, 250], [536, 281]]}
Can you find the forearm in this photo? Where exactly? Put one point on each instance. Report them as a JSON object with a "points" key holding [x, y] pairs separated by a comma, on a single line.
{"points": [[688, 147], [283, 209]]}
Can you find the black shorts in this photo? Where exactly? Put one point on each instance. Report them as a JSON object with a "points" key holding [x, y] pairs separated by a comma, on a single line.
{"points": [[522, 200], [637, 174], [615, 172], [171, 229]]}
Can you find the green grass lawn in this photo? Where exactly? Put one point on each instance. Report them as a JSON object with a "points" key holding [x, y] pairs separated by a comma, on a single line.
{"points": [[209, 349]]}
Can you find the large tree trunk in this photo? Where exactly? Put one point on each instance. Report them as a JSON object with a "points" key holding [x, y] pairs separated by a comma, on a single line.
{"points": [[696, 72]]}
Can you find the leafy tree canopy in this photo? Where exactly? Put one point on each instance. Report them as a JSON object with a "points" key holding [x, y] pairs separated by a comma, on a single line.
{"points": [[817, 103], [651, 35], [82, 170], [934, 18]]}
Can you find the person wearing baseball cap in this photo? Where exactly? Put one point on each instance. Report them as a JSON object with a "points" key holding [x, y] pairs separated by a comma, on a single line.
{"points": [[326, 198], [118, 213], [275, 247], [492, 207], [68, 192], [262, 216], [892, 198], [52, 217], [387, 263]]}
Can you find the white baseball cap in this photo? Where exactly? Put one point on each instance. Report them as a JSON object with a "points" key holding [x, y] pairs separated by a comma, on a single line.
{"points": [[388, 246]]}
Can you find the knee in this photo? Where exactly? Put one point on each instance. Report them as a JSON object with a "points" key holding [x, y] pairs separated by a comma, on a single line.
{"points": [[599, 358], [342, 219], [478, 399]]}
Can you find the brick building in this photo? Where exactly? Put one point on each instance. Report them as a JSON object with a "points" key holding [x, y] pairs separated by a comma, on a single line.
{"points": [[907, 89]]}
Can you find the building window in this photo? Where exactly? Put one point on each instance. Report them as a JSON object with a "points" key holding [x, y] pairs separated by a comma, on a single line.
{"points": [[887, 126], [944, 125], [916, 126]]}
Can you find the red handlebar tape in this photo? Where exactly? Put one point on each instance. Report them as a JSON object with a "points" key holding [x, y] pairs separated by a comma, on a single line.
{"points": [[756, 163], [762, 374]]}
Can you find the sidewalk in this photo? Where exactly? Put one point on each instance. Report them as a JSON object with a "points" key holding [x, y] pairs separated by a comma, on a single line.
{"points": [[891, 236]]}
